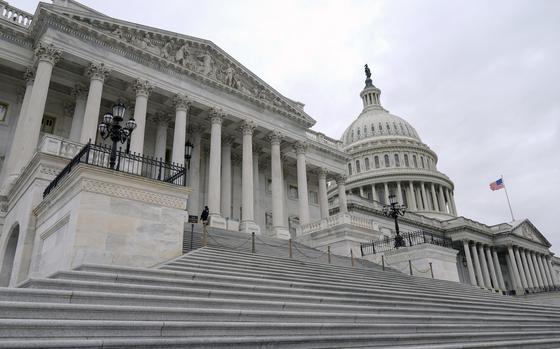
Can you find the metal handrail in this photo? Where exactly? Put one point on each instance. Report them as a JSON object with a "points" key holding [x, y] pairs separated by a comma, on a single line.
{"points": [[132, 163], [405, 240]]}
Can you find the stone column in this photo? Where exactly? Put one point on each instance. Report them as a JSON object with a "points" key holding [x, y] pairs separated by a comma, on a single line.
{"points": [[303, 196], [374, 193], [214, 171], [478, 269], [530, 283], [248, 218], [498, 270], [277, 186], [515, 271], [193, 203], [342, 203], [79, 92], [442, 207], [162, 122], [547, 272], [520, 267], [552, 272], [546, 281], [47, 56], [452, 202], [531, 268], [435, 198], [14, 164], [470, 267], [226, 181], [97, 73], [323, 199], [143, 88], [399, 193], [386, 188], [537, 271], [182, 105], [491, 267], [257, 152], [424, 197], [484, 266], [412, 196]]}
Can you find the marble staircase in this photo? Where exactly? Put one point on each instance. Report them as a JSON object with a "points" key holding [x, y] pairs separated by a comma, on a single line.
{"points": [[222, 298]]}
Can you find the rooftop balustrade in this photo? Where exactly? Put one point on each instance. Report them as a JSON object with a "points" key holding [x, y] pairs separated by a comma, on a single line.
{"points": [[14, 15]]}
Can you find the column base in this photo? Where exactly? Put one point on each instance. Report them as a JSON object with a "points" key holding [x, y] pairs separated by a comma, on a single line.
{"points": [[282, 233], [217, 221], [249, 227]]}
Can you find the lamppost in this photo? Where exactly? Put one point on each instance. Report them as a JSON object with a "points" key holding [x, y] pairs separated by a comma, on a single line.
{"points": [[394, 210], [188, 153], [110, 128]]}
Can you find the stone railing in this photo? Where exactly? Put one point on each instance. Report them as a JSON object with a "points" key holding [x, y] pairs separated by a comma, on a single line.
{"points": [[321, 138], [59, 146], [336, 220], [15, 15]]}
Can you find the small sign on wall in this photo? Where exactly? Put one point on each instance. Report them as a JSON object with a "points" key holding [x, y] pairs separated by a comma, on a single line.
{"points": [[193, 219]]}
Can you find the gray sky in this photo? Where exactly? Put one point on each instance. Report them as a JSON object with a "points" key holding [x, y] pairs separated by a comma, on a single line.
{"points": [[479, 80]]}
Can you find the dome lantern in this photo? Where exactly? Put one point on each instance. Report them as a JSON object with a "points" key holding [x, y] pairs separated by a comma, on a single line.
{"points": [[370, 94]]}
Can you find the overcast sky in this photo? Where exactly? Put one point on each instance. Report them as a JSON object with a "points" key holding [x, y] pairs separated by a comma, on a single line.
{"points": [[479, 80]]}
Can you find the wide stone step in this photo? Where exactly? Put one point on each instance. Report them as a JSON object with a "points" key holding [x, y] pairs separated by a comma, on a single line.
{"points": [[407, 341], [82, 297]]}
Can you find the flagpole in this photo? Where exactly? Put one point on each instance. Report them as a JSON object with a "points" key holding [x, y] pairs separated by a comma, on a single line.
{"points": [[507, 197]]}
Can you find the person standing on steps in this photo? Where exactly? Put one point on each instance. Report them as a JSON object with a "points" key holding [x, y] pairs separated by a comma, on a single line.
{"points": [[204, 219]]}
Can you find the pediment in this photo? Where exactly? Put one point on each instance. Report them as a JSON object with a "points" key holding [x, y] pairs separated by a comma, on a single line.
{"points": [[198, 58], [527, 230]]}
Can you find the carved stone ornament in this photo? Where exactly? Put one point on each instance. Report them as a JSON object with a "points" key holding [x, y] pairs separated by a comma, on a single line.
{"points": [[68, 108], [29, 76], [181, 102], [247, 127], [97, 71], [79, 91], [322, 173], [341, 179], [275, 137], [216, 115], [142, 87], [300, 147], [47, 52]]}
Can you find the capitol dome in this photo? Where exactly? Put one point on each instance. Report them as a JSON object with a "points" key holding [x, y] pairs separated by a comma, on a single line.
{"points": [[387, 157]]}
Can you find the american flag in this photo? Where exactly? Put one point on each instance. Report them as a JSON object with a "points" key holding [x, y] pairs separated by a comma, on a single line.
{"points": [[499, 184]]}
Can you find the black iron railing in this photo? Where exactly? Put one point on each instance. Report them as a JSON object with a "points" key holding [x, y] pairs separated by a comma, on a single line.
{"points": [[407, 240], [132, 163]]}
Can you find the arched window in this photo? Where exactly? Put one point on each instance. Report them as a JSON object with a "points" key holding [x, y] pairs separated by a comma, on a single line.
{"points": [[422, 161], [376, 160], [358, 170], [386, 160], [395, 127], [372, 129], [406, 160], [365, 130], [367, 164], [380, 128], [414, 161], [349, 169], [397, 160]]}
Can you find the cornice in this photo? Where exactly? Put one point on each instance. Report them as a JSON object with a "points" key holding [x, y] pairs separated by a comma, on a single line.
{"points": [[401, 174], [266, 97], [369, 146]]}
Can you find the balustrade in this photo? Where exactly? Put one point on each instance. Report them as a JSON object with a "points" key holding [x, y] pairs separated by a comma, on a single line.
{"points": [[15, 15]]}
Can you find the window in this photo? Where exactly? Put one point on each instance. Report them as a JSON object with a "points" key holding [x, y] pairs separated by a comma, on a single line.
{"points": [[414, 161], [380, 128], [406, 160], [365, 130], [372, 128], [313, 197], [293, 192], [47, 124], [358, 170], [358, 132], [386, 160], [376, 160], [268, 185], [397, 160], [3, 112], [367, 164], [422, 161], [349, 169], [352, 135]]}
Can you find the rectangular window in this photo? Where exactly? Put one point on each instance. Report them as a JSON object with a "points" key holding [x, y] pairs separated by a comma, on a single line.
{"points": [[313, 197], [293, 192], [47, 124], [397, 160], [3, 112]]}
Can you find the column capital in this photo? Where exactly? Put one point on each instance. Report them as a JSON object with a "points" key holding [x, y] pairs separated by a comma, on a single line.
{"points": [[97, 71], [322, 173], [466, 241], [275, 137], [248, 127], [216, 115], [181, 102], [142, 88], [47, 52], [29, 76], [79, 91], [341, 179], [300, 147]]}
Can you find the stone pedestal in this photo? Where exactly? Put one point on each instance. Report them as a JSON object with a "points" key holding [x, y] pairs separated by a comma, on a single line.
{"points": [[249, 227]]}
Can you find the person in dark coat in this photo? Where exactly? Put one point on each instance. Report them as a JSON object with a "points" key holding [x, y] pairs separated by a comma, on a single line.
{"points": [[204, 215]]}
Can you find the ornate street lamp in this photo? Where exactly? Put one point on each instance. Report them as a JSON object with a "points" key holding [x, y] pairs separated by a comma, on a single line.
{"points": [[188, 153], [110, 128], [394, 210]]}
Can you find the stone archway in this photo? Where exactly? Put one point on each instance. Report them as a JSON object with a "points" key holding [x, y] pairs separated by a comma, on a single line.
{"points": [[9, 254]]}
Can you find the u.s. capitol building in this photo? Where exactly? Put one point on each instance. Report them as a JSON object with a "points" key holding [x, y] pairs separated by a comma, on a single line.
{"points": [[112, 133]]}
